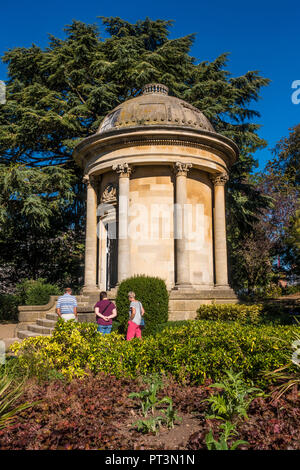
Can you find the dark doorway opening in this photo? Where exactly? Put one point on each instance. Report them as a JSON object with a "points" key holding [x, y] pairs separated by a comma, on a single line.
{"points": [[111, 256]]}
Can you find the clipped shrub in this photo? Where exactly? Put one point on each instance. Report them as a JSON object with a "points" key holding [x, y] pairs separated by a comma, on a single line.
{"points": [[265, 313], [9, 307], [153, 294], [272, 291], [288, 290], [279, 313], [192, 353], [36, 292], [232, 312]]}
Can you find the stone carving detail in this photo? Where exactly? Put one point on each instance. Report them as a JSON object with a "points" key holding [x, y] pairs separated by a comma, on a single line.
{"points": [[123, 170], [220, 179], [155, 88], [88, 180], [109, 195], [181, 169]]}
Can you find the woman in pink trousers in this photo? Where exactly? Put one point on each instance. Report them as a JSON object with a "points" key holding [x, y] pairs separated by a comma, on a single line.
{"points": [[136, 312]]}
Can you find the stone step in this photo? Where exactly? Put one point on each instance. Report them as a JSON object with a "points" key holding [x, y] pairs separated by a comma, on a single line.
{"points": [[186, 304], [23, 334], [86, 309], [82, 298], [51, 316], [83, 315], [43, 330], [45, 322], [86, 317], [22, 326]]}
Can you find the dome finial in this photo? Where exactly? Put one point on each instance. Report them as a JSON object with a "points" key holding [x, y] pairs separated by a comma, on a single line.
{"points": [[155, 88]]}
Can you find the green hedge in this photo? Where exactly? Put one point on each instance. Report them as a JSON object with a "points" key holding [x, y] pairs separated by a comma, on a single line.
{"points": [[153, 294], [9, 307], [36, 292], [258, 313], [232, 312], [191, 353], [288, 290]]}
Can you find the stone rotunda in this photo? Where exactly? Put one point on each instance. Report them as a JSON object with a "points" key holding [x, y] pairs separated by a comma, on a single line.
{"points": [[155, 173]]}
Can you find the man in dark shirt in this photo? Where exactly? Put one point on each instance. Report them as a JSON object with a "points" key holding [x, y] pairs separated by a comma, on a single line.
{"points": [[105, 311]]}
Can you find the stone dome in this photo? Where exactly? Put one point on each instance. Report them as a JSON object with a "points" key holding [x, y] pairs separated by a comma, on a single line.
{"points": [[155, 108]]}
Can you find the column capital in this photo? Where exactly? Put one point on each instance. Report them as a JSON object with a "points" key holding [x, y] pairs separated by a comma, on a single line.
{"points": [[88, 180], [123, 170], [182, 169], [219, 179]]}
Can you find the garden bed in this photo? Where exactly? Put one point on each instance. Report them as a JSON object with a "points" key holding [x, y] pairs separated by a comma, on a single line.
{"points": [[96, 413], [101, 392]]}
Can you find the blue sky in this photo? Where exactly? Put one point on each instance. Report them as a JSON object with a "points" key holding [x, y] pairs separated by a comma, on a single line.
{"points": [[260, 35]]}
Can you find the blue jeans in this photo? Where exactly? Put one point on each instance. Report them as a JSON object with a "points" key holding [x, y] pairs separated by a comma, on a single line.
{"points": [[104, 329]]}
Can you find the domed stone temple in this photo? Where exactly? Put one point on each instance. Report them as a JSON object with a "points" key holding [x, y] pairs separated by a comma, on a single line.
{"points": [[155, 173]]}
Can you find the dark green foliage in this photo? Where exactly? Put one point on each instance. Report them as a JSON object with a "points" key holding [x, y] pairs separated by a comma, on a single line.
{"points": [[235, 398], [152, 293], [280, 313], [37, 292], [286, 161], [9, 307], [229, 432], [271, 248], [288, 290]]}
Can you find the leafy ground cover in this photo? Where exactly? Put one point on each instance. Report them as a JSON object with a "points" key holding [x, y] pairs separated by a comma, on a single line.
{"points": [[96, 413], [191, 353]]}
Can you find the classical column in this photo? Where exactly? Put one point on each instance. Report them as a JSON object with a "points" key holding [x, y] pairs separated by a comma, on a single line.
{"points": [[182, 256], [124, 171], [221, 271], [90, 235]]}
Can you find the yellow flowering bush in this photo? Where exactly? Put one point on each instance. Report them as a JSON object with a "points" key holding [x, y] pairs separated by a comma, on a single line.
{"points": [[192, 352]]}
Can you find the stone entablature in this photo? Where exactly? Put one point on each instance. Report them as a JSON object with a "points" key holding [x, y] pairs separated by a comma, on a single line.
{"points": [[208, 150]]}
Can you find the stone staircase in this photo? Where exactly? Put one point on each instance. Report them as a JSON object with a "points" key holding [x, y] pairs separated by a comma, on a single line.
{"points": [[45, 316], [42, 327]]}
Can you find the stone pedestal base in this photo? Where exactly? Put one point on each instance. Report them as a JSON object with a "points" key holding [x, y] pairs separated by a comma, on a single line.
{"points": [[186, 287], [223, 287], [193, 287], [93, 294], [184, 303], [89, 290]]}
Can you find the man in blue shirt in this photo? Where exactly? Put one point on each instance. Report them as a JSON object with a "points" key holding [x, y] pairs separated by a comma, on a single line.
{"points": [[66, 307]]}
